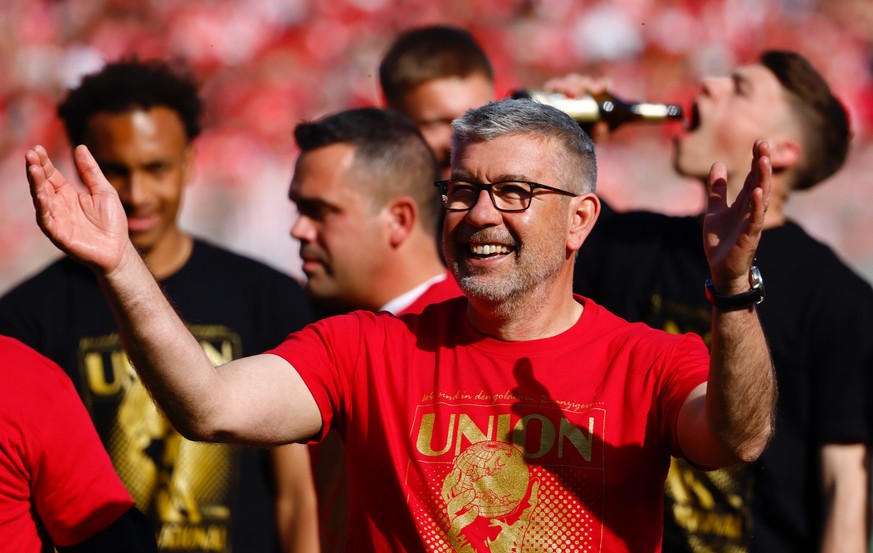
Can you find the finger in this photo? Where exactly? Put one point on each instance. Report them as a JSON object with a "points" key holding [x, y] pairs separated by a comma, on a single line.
{"points": [[600, 132], [601, 85], [36, 180], [42, 195], [717, 187], [31, 163], [570, 85], [756, 189], [574, 85], [765, 169], [40, 189], [88, 169], [760, 194], [37, 158]]}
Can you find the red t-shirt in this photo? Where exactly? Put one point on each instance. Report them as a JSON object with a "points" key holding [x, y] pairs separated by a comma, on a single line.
{"points": [[456, 440], [55, 476]]}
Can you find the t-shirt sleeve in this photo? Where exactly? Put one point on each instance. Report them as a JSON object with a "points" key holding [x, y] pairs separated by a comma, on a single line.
{"points": [[325, 354], [684, 369], [75, 488]]}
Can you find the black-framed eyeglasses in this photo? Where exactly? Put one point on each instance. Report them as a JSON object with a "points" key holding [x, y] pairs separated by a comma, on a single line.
{"points": [[509, 195]]}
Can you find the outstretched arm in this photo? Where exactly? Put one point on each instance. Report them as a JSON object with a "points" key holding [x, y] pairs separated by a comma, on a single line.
{"points": [[729, 419], [259, 400]]}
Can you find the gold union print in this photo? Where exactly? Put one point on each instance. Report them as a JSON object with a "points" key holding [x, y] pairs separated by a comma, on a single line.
{"points": [[522, 481], [488, 480], [186, 488], [549, 436]]}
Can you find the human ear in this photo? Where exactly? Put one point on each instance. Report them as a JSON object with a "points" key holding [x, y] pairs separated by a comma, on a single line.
{"points": [[402, 216], [584, 212], [785, 154]]}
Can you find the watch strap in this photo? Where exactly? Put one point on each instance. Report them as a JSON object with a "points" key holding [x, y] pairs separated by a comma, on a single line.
{"points": [[754, 296]]}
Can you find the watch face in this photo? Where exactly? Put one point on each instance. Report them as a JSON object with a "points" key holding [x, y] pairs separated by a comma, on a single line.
{"points": [[755, 278]]}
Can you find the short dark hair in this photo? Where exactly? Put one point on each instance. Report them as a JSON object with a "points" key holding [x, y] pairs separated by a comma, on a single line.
{"points": [[129, 84], [823, 119], [425, 53], [391, 157]]}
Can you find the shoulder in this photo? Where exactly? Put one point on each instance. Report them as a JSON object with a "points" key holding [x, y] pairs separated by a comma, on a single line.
{"points": [[29, 378], [206, 253], [49, 298], [628, 223], [624, 236], [602, 324], [239, 276], [53, 278], [794, 254]]}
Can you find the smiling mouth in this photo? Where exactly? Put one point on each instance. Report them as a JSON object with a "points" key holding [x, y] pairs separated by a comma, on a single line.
{"points": [[489, 250], [141, 223]]}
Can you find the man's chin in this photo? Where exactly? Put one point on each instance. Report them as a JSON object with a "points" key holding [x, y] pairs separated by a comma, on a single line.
{"points": [[485, 289]]}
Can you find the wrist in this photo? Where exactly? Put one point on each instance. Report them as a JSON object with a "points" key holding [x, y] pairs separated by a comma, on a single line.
{"points": [[753, 295]]}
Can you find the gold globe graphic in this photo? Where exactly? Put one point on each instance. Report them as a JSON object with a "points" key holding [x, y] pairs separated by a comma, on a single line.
{"points": [[497, 475]]}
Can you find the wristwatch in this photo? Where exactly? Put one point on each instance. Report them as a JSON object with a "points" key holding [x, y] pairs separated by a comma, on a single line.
{"points": [[738, 301]]}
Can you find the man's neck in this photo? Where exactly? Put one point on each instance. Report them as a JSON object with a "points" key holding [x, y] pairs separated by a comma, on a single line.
{"points": [[409, 267], [407, 298], [170, 255]]}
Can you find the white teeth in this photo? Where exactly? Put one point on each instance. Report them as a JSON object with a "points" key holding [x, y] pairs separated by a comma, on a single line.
{"points": [[488, 249]]}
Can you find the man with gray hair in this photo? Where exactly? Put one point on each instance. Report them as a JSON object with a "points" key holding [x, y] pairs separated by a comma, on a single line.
{"points": [[518, 416]]}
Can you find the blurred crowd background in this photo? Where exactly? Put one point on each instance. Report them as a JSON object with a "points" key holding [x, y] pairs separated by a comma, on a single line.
{"points": [[266, 65]]}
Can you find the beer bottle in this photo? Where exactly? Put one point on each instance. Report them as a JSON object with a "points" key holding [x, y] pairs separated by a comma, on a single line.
{"points": [[587, 110]]}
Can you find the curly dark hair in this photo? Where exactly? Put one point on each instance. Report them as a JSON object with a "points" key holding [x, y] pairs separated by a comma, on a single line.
{"points": [[128, 84]]}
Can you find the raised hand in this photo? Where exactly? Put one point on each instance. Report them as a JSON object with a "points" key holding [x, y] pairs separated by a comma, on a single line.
{"points": [[574, 85], [731, 232], [89, 226]]}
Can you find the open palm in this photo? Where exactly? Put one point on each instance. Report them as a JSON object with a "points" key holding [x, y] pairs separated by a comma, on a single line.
{"points": [[731, 232], [90, 226]]}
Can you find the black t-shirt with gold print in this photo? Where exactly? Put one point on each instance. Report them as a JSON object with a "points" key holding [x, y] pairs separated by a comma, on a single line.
{"points": [[817, 318], [201, 497]]}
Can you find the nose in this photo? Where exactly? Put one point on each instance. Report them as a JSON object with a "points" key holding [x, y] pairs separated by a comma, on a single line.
{"points": [[132, 189], [483, 212], [711, 86], [302, 229]]}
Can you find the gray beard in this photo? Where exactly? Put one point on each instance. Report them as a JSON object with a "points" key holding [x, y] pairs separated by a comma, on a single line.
{"points": [[512, 296]]}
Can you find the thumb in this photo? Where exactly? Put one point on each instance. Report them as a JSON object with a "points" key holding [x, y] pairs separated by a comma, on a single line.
{"points": [[88, 169]]}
